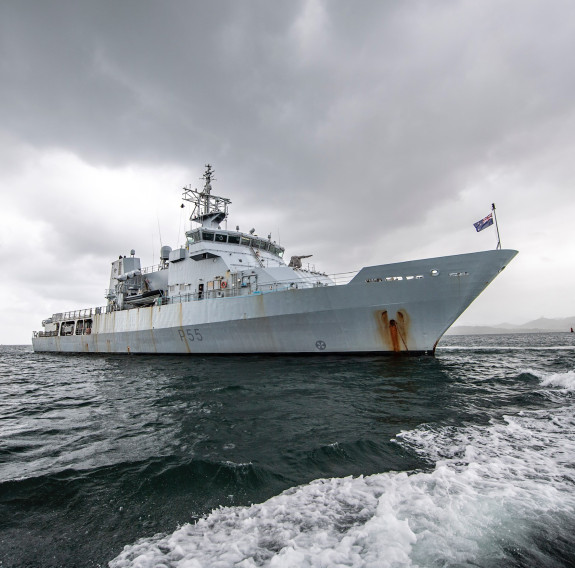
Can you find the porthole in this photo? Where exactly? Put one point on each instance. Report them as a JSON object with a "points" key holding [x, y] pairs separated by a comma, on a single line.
{"points": [[434, 272]]}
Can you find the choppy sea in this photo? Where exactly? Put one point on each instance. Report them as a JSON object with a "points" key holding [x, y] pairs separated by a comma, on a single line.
{"points": [[465, 459]]}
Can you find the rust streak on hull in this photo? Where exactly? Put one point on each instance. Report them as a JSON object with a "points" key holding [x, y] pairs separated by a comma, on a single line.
{"points": [[393, 333], [402, 326]]}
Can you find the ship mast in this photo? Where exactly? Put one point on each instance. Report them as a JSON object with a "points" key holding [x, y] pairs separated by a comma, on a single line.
{"points": [[209, 210]]}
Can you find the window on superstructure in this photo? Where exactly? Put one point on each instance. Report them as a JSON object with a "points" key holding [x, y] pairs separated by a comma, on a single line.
{"points": [[221, 238], [194, 237], [207, 236], [245, 241], [234, 239]]}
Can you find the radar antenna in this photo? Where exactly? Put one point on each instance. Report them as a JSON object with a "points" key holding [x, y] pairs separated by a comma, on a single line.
{"points": [[209, 210]]}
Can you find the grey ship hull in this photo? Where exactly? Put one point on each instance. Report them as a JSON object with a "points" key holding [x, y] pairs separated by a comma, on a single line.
{"points": [[394, 308]]}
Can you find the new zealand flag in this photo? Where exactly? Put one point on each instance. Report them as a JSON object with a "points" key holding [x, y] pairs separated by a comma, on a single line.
{"points": [[487, 222]]}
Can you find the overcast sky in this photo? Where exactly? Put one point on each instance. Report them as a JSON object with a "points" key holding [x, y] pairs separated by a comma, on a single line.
{"points": [[360, 132]]}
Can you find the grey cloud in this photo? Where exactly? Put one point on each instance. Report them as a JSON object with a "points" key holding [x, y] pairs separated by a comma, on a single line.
{"points": [[396, 89], [314, 113]]}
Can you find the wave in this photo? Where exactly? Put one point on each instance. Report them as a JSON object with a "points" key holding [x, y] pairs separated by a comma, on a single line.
{"points": [[230, 388], [215, 474], [158, 474], [564, 381], [323, 523], [500, 494], [497, 495], [503, 348]]}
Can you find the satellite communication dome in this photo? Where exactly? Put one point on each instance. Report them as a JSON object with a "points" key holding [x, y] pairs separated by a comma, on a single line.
{"points": [[165, 252]]}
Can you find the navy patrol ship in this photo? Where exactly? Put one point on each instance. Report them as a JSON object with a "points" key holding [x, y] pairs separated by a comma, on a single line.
{"points": [[227, 291]]}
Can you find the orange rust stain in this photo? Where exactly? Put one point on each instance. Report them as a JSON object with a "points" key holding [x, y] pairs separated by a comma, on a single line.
{"points": [[394, 332], [382, 320], [184, 338], [403, 326], [394, 335]]}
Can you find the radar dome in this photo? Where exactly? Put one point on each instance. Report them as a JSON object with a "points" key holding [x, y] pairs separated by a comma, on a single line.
{"points": [[165, 252]]}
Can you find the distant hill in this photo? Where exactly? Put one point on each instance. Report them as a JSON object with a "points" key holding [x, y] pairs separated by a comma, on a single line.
{"points": [[534, 326]]}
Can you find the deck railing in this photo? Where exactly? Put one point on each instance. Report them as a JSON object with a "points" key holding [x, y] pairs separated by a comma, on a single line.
{"points": [[245, 289]]}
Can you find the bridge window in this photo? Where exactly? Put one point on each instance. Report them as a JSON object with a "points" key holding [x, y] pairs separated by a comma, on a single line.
{"points": [[234, 239], [194, 237], [277, 250], [206, 236], [221, 238]]}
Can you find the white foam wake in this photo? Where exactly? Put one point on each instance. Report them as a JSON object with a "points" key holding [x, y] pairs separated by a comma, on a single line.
{"points": [[346, 522], [492, 489], [562, 380]]}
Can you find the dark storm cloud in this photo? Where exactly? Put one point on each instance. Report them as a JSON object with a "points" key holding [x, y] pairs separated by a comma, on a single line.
{"points": [[331, 121], [315, 99], [119, 82], [312, 108]]}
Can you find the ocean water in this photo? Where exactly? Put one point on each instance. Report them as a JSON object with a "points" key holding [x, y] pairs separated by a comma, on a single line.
{"points": [[465, 459]]}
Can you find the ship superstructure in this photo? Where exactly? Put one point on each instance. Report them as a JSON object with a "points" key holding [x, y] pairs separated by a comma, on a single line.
{"points": [[226, 291]]}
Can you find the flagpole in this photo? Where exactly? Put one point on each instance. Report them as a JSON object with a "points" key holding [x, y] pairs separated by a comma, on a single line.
{"points": [[496, 226]]}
